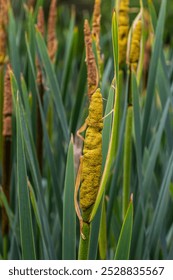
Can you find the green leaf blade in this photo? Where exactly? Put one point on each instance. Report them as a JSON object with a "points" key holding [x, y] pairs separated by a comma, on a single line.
{"points": [[153, 70], [53, 84], [69, 214], [124, 242], [26, 229]]}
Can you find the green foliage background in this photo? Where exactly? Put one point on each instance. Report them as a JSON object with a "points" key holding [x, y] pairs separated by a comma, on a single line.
{"points": [[43, 223]]}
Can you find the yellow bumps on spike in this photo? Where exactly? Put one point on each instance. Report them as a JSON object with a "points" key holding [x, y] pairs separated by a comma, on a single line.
{"points": [[92, 156], [135, 43], [123, 28]]}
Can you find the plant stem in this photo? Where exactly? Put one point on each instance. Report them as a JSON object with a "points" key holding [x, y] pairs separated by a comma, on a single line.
{"points": [[40, 130], [1, 106], [127, 159], [103, 233], [84, 243], [5, 247], [6, 177]]}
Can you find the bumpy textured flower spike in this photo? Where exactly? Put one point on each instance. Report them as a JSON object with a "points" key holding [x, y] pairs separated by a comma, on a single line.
{"points": [[134, 43], [123, 28], [91, 161]]}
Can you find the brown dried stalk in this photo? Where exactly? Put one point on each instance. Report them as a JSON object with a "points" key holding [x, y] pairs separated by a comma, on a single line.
{"points": [[2, 45], [41, 29], [31, 3], [96, 33], [7, 137], [92, 71], [148, 45], [52, 42], [40, 26], [96, 20], [4, 5]]}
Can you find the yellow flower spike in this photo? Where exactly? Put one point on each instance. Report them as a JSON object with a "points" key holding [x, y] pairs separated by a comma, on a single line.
{"points": [[91, 160], [92, 72], [134, 43], [123, 28]]}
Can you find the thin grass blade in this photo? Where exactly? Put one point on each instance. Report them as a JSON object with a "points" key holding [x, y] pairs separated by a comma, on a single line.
{"points": [[26, 228], [69, 214], [153, 70], [53, 84], [124, 242]]}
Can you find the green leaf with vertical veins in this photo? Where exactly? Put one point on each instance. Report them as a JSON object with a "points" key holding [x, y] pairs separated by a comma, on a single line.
{"points": [[69, 214], [53, 84], [26, 229], [124, 241]]}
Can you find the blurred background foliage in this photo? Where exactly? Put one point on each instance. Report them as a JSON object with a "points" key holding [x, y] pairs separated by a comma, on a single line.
{"points": [[83, 9], [70, 66]]}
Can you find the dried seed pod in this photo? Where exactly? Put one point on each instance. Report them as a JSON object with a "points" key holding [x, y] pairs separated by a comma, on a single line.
{"points": [[7, 136], [52, 42], [134, 43], [40, 26], [41, 21], [96, 20], [7, 107], [123, 28], [31, 3], [148, 45], [4, 5], [2, 45], [96, 34], [92, 71]]}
